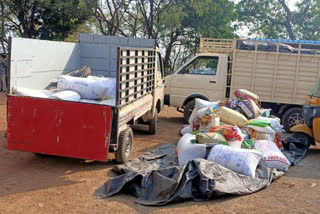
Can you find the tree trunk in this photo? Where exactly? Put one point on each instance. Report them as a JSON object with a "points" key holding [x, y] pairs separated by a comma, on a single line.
{"points": [[288, 25], [2, 29], [173, 39]]}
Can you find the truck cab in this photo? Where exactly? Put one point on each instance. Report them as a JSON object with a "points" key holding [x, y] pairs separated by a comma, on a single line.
{"points": [[203, 76]]}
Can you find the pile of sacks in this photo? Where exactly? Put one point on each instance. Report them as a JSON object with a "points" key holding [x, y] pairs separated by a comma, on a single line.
{"points": [[92, 89], [235, 133]]}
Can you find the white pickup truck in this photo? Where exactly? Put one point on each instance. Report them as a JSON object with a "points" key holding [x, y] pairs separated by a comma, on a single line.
{"points": [[78, 129], [280, 72]]}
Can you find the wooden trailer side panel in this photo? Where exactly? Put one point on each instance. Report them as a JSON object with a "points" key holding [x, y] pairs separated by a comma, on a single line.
{"points": [[276, 77]]}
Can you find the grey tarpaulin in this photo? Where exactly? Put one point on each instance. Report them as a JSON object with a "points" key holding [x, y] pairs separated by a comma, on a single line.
{"points": [[156, 179], [296, 147]]}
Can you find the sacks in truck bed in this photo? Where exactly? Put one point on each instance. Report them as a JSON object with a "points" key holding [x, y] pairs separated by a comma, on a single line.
{"points": [[87, 88], [32, 93], [109, 83], [67, 95]]}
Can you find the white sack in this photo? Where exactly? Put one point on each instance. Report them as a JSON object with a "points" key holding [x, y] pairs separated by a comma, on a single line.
{"points": [[89, 101], [32, 93], [188, 151], [67, 95], [266, 129], [110, 83], [275, 123], [272, 156], [200, 104], [111, 102], [185, 130], [87, 88], [243, 161]]}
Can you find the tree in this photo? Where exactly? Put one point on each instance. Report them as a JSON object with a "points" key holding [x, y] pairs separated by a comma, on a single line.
{"points": [[185, 21], [2, 27], [109, 15], [275, 19], [45, 19], [60, 17]]}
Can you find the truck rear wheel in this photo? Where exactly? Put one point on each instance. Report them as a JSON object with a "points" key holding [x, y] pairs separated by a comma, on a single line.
{"points": [[291, 118], [153, 124], [125, 145], [188, 110]]}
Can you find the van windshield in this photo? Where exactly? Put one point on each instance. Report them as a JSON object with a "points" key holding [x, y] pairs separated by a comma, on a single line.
{"points": [[315, 91]]}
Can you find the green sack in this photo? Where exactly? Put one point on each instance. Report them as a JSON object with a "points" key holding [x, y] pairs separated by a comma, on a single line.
{"points": [[247, 144], [260, 123]]}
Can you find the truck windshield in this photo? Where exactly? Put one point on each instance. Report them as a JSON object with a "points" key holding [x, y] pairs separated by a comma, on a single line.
{"points": [[204, 66], [315, 91]]}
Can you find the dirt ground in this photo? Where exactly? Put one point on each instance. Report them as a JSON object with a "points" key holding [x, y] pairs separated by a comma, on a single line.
{"points": [[32, 184]]}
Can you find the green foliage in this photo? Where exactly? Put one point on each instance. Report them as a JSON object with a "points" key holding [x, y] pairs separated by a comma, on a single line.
{"points": [[46, 19], [210, 18], [275, 19], [60, 17], [182, 24]]}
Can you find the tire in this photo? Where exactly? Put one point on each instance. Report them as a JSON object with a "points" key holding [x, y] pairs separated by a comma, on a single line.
{"points": [[188, 110], [125, 145], [83, 71], [292, 117], [153, 124]]}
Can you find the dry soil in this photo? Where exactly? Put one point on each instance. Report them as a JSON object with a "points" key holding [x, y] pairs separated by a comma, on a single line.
{"points": [[32, 184]]}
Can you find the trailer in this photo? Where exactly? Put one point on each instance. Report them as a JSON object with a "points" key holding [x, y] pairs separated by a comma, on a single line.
{"points": [[281, 72], [83, 130]]}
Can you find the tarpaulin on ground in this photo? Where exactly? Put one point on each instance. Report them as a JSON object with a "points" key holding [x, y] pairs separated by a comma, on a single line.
{"points": [[156, 179], [296, 147]]}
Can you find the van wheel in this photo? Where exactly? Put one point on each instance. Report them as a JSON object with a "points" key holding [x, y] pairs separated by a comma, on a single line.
{"points": [[83, 71], [188, 110], [153, 123], [124, 146], [291, 118]]}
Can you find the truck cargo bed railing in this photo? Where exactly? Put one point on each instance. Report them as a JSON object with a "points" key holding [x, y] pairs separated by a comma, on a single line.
{"points": [[135, 74], [208, 45]]}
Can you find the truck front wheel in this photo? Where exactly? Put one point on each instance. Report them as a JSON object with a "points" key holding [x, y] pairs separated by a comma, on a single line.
{"points": [[153, 123], [125, 145], [291, 118], [188, 110]]}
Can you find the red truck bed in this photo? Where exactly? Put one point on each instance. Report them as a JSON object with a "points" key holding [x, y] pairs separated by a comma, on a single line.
{"points": [[61, 128]]}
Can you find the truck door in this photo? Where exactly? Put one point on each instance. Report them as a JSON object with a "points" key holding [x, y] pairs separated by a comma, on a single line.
{"points": [[159, 87], [199, 77]]}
